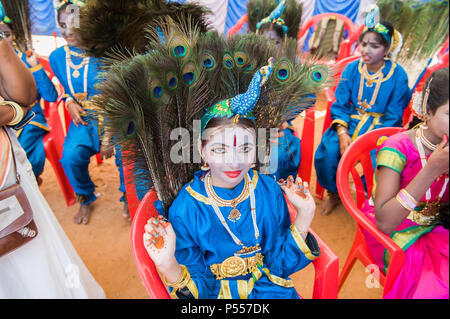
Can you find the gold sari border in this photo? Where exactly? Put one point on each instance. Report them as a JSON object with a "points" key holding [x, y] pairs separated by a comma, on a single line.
{"points": [[301, 243], [391, 158]]}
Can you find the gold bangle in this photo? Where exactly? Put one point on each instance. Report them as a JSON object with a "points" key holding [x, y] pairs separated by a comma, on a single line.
{"points": [[182, 281], [341, 131], [18, 112]]}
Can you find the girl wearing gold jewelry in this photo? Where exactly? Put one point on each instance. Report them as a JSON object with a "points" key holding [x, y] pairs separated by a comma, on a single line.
{"points": [[372, 93], [411, 198]]}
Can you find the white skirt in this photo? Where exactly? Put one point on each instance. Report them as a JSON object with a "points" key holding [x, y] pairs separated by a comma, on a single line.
{"points": [[48, 266]]}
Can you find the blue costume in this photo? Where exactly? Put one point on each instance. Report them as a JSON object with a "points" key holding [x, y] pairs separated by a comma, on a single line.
{"points": [[82, 141], [198, 231], [387, 111], [32, 135]]}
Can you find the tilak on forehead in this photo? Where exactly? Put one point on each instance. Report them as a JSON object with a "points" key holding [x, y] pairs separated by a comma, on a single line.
{"points": [[240, 106]]}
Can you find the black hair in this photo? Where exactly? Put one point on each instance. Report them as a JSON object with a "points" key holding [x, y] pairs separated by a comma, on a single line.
{"points": [[438, 85], [269, 26], [380, 38]]}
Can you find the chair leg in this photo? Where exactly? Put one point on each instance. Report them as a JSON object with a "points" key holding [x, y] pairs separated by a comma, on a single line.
{"points": [[349, 263], [51, 154]]}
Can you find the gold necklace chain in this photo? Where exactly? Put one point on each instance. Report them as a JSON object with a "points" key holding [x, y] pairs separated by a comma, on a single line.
{"points": [[426, 142], [231, 203], [76, 68], [366, 76]]}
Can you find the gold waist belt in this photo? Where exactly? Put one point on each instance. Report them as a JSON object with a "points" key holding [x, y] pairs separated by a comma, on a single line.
{"points": [[236, 266]]}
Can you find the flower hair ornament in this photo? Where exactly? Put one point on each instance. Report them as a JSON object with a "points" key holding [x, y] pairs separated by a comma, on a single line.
{"points": [[275, 17]]}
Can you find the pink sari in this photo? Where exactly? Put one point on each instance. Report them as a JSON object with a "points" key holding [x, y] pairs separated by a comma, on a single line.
{"points": [[425, 274]]}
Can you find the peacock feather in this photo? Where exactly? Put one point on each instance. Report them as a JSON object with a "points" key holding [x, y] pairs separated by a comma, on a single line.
{"points": [[424, 27], [18, 12], [148, 100]]}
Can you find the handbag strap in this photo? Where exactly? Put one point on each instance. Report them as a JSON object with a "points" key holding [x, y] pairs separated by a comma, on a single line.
{"points": [[14, 157]]}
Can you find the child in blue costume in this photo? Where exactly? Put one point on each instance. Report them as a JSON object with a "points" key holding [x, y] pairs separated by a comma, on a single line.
{"points": [[373, 92], [286, 161], [32, 135], [79, 75], [259, 246]]}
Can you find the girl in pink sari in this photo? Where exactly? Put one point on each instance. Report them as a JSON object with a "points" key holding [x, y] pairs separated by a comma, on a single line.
{"points": [[410, 201]]}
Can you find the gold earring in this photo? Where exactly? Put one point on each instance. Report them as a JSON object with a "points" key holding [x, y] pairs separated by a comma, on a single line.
{"points": [[205, 167]]}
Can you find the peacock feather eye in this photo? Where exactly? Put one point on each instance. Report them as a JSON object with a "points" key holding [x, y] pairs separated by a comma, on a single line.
{"points": [[156, 90], [189, 74], [240, 58], [319, 75], [283, 71], [208, 62], [171, 80], [179, 46], [228, 61], [131, 128]]}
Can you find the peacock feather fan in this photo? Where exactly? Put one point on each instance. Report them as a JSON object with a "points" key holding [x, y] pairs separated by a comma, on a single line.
{"points": [[152, 100], [120, 26]]}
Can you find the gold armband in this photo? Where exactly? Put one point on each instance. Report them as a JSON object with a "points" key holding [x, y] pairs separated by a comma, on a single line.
{"points": [[18, 112]]}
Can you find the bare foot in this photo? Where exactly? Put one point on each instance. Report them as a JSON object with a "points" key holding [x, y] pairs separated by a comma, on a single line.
{"points": [[330, 204], [126, 212], [83, 214]]}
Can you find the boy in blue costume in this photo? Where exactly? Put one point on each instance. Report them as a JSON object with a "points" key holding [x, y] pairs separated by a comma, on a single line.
{"points": [[373, 92], [32, 135], [79, 75]]}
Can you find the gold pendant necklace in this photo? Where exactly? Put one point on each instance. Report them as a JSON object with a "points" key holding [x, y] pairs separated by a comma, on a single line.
{"points": [[378, 77], [235, 214]]}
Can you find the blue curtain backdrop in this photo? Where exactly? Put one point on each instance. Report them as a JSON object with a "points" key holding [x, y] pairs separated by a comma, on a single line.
{"points": [[42, 12]]}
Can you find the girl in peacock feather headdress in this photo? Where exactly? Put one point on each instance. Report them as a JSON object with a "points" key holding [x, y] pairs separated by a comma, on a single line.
{"points": [[286, 161], [30, 136], [196, 98], [373, 92]]}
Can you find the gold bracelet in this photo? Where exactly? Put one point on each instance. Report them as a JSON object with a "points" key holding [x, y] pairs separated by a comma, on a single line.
{"points": [[405, 206], [341, 131], [18, 112], [182, 281]]}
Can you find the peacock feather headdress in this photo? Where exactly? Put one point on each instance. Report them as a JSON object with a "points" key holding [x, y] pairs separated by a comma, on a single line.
{"points": [[153, 100], [287, 14], [16, 14], [424, 26]]}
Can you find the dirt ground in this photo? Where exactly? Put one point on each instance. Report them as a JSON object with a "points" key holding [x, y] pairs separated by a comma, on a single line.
{"points": [[104, 244]]}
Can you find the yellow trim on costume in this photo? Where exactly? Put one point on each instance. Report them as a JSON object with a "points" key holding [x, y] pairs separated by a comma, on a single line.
{"points": [[190, 285], [341, 122], [363, 118], [391, 158], [388, 76], [19, 132], [36, 68], [42, 126], [301, 243], [243, 289], [287, 283], [205, 200], [225, 292]]}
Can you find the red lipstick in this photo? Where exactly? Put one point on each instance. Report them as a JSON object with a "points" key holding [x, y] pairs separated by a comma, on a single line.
{"points": [[233, 174]]}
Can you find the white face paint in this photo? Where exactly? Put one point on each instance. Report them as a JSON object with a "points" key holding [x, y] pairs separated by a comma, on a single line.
{"points": [[230, 153]]}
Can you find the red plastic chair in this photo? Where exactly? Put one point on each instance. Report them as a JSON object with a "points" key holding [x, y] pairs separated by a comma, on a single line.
{"points": [[359, 152], [346, 45], [132, 199], [326, 265]]}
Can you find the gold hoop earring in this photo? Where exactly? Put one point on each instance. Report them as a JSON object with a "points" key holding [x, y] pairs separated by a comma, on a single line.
{"points": [[205, 167]]}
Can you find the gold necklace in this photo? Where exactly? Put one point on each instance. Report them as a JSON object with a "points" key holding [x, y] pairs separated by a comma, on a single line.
{"points": [[369, 78], [76, 68], [235, 214], [426, 142]]}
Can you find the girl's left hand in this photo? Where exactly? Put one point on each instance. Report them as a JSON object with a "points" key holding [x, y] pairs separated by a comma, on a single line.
{"points": [[299, 195]]}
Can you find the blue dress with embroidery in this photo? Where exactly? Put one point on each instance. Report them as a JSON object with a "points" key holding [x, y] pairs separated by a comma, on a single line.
{"points": [[202, 241], [387, 111], [32, 135], [82, 141]]}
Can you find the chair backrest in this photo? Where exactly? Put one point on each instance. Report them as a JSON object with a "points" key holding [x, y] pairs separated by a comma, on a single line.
{"points": [[132, 198], [326, 265], [359, 152]]}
